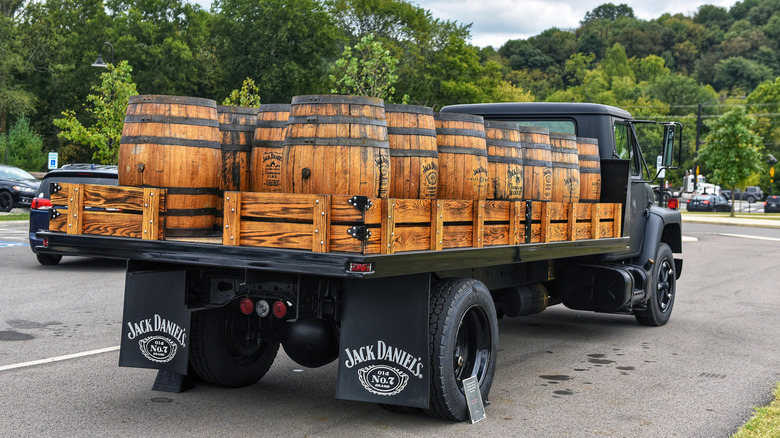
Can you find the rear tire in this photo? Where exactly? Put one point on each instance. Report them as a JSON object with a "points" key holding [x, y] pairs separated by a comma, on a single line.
{"points": [[224, 353], [463, 331], [48, 259], [751, 199], [662, 291]]}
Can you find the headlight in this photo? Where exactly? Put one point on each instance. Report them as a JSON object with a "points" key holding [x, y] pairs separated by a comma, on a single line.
{"points": [[24, 189]]}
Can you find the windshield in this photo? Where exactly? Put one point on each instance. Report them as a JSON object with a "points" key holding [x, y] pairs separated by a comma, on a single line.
{"points": [[14, 173]]}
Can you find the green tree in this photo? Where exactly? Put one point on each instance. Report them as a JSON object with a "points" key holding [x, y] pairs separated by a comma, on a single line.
{"points": [[23, 146], [107, 107], [732, 149], [608, 11], [367, 69], [285, 45], [247, 96], [15, 100]]}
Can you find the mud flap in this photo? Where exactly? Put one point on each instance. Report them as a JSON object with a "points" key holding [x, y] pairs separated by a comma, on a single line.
{"points": [[383, 355], [155, 322]]}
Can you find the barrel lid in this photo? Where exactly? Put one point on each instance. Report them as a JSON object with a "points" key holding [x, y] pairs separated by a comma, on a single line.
{"points": [[495, 124], [533, 129], [338, 99], [274, 107], [179, 100], [252, 111], [561, 136], [411, 109], [459, 117], [587, 140]]}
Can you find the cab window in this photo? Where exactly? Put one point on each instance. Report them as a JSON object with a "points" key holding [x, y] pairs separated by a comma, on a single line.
{"points": [[623, 146]]}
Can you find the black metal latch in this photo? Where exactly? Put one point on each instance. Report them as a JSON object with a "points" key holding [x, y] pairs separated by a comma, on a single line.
{"points": [[361, 203], [359, 232]]}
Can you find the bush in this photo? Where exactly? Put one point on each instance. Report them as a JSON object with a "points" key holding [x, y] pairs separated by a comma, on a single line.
{"points": [[22, 147]]}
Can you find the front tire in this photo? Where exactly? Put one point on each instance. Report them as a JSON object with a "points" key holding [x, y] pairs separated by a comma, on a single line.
{"points": [[6, 202], [226, 350], [662, 290], [463, 331], [751, 199]]}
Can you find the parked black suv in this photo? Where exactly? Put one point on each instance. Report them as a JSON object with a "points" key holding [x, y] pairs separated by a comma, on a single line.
{"points": [[69, 173]]}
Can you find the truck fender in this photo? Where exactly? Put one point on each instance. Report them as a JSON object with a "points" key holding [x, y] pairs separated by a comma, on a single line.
{"points": [[663, 225]]}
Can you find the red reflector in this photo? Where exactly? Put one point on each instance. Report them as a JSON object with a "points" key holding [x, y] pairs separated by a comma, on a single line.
{"points": [[38, 203], [279, 309], [360, 267], [247, 307], [672, 203], [46, 243]]}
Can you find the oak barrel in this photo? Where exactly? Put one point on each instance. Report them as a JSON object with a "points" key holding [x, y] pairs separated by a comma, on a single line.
{"points": [[505, 160], [337, 145], [565, 168], [236, 128], [414, 159], [590, 169], [173, 142], [537, 163], [460, 140], [268, 148]]}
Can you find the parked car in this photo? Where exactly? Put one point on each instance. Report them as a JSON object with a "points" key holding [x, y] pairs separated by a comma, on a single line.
{"points": [[751, 194], [772, 204], [16, 187], [708, 203], [69, 173]]}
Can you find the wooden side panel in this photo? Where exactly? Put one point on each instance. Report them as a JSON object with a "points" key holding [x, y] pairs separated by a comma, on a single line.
{"points": [[231, 230], [151, 225], [112, 224]]}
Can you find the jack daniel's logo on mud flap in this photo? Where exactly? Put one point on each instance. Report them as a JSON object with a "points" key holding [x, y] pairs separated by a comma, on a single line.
{"points": [[158, 338], [382, 378]]}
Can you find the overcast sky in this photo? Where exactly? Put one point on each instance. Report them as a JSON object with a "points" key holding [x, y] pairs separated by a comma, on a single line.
{"points": [[494, 22]]}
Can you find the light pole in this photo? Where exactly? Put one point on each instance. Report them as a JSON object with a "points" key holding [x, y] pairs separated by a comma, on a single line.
{"points": [[698, 136], [99, 62]]}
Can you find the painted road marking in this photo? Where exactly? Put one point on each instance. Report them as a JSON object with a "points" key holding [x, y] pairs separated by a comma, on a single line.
{"points": [[58, 358], [4, 244], [745, 236]]}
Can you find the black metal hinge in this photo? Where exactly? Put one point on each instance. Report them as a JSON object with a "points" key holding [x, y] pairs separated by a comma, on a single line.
{"points": [[53, 213], [359, 232], [361, 203]]}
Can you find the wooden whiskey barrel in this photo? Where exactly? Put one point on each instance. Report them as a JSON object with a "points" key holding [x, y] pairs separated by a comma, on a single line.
{"points": [[537, 163], [414, 159], [173, 142], [268, 148], [590, 169], [505, 160], [462, 150], [565, 168], [337, 145], [236, 128]]}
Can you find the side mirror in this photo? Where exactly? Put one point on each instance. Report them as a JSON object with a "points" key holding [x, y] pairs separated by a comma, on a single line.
{"points": [[672, 133]]}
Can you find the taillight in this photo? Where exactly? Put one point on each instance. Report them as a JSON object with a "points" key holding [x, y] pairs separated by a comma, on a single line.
{"points": [[39, 203], [360, 267], [279, 309], [247, 307], [705, 202]]}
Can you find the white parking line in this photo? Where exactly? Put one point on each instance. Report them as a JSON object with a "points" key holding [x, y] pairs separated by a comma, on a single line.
{"points": [[58, 358], [745, 236]]}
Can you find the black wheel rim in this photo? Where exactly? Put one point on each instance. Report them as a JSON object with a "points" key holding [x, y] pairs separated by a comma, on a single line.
{"points": [[5, 201], [243, 338], [472, 346], [665, 285]]}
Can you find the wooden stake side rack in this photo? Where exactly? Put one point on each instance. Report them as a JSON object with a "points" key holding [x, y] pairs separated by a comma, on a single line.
{"points": [[339, 223]]}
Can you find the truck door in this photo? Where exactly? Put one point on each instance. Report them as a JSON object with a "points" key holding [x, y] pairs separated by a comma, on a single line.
{"points": [[639, 195]]}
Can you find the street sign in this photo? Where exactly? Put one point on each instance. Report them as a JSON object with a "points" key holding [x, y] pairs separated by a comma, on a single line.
{"points": [[53, 158]]}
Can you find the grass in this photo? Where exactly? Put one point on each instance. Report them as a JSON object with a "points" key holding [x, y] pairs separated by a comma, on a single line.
{"points": [[766, 216], [15, 217], [765, 423]]}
